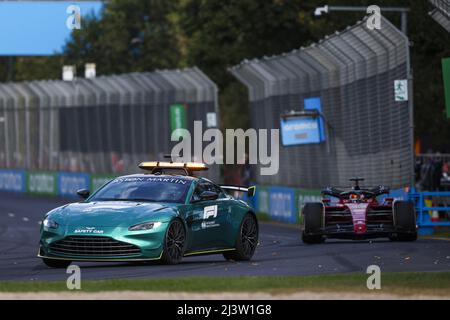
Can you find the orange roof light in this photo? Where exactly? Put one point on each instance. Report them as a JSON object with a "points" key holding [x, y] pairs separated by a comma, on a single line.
{"points": [[192, 166]]}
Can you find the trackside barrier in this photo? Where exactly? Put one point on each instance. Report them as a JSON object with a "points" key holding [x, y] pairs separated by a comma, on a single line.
{"points": [[12, 180], [50, 183], [69, 183], [98, 181], [42, 182], [282, 204], [423, 210]]}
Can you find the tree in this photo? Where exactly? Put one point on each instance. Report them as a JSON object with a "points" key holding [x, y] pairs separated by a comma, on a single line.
{"points": [[132, 35], [222, 33]]}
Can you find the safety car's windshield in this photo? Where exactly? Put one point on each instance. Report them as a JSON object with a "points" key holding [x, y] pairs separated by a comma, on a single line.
{"points": [[145, 189]]}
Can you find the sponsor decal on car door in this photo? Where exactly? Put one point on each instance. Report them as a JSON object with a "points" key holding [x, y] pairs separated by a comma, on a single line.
{"points": [[200, 221]]}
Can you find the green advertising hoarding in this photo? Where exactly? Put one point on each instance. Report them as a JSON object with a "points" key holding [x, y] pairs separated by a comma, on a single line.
{"points": [[272, 202], [306, 196], [177, 118], [42, 183], [446, 74], [263, 200], [98, 181]]}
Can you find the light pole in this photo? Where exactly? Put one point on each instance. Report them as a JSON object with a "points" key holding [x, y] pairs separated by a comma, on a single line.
{"points": [[402, 10]]}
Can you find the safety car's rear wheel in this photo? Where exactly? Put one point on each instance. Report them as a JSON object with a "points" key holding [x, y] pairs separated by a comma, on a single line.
{"points": [[174, 243], [246, 242], [313, 218], [405, 221]]}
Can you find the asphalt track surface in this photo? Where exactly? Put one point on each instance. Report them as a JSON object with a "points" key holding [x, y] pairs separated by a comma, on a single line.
{"points": [[281, 252]]}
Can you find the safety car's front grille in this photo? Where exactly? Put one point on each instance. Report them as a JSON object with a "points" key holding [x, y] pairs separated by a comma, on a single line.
{"points": [[93, 246]]}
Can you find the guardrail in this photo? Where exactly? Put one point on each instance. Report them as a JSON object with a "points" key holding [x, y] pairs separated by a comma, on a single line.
{"points": [[422, 209]]}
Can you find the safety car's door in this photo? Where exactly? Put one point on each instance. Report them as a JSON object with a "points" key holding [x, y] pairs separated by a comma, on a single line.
{"points": [[207, 218]]}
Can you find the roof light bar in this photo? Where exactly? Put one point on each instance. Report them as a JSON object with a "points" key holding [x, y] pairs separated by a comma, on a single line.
{"points": [[192, 166]]}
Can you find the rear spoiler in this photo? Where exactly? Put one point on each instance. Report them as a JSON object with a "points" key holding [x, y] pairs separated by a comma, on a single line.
{"points": [[250, 190]]}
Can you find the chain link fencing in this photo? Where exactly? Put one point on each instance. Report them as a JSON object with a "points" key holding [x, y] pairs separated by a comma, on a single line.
{"points": [[441, 13], [353, 72], [107, 124]]}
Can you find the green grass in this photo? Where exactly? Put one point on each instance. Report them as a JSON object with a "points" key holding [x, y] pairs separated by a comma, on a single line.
{"points": [[400, 283], [441, 232]]}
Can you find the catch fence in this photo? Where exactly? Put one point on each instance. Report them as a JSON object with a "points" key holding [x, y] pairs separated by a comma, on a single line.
{"points": [[367, 128], [108, 124]]}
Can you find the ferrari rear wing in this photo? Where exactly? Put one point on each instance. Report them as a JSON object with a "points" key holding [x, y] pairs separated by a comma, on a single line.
{"points": [[250, 190]]}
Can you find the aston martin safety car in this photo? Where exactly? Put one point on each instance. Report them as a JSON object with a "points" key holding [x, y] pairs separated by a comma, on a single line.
{"points": [[165, 214]]}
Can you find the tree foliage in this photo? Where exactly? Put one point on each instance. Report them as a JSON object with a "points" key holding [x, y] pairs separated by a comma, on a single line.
{"points": [[132, 35]]}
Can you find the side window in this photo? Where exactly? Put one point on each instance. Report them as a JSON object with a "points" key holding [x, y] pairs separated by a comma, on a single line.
{"points": [[220, 192], [212, 187], [198, 190], [206, 186]]}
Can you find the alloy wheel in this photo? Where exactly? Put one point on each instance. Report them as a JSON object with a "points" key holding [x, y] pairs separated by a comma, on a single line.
{"points": [[249, 236], [175, 240]]}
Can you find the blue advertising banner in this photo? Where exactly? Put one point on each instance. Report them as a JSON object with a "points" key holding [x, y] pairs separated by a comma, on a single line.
{"points": [[282, 204], [261, 200], [12, 180], [397, 194], [316, 104], [297, 131], [69, 183], [39, 27]]}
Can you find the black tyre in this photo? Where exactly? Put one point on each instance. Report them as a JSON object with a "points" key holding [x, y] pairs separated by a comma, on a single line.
{"points": [[54, 263], [404, 237], [405, 221], [174, 243], [313, 219], [407, 237], [246, 241], [393, 237]]}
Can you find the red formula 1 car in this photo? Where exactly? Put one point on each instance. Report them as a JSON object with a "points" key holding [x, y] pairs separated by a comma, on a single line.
{"points": [[358, 214]]}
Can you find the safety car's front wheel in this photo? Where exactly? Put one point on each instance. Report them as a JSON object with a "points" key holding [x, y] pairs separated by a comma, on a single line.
{"points": [[174, 243]]}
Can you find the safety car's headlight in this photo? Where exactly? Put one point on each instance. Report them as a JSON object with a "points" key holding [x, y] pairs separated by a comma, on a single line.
{"points": [[50, 224], [145, 226]]}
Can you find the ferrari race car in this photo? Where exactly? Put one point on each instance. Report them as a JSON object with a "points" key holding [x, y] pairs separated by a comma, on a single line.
{"points": [[163, 215], [358, 214]]}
